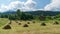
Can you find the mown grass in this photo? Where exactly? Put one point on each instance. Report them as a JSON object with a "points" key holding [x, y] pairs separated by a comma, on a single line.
{"points": [[3, 21], [34, 28]]}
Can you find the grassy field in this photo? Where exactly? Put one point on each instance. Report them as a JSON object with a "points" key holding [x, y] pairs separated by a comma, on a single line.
{"points": [[3, 21], [33, 28]]}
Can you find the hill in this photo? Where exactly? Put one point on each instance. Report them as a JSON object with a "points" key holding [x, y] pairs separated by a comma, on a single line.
{"points": [[45, 13], [39, 12]]}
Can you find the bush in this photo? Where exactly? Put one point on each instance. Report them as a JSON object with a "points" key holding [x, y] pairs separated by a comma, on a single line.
{"points": [[42, 18]]}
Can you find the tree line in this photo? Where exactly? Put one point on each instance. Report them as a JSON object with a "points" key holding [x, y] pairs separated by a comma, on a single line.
{"points": [[19, 15]]}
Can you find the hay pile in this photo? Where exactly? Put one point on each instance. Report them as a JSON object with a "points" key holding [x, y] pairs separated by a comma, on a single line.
{"points": [[25, 25], [7, 27]]}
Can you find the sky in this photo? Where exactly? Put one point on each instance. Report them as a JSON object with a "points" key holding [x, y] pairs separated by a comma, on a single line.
{"points": [[27, 5]]}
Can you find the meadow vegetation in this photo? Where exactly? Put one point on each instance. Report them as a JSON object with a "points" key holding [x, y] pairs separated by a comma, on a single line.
{"points": [[22, 23]]}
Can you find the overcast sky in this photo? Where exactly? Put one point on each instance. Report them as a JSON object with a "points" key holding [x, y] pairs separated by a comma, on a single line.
{"points": [[26, 5]]}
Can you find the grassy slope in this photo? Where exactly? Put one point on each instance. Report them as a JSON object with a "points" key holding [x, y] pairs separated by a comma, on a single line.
{"points": [[32, 29], [3, 21]]}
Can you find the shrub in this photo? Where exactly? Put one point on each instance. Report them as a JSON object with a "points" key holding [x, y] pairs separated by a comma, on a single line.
{"points": [[42, 18]]}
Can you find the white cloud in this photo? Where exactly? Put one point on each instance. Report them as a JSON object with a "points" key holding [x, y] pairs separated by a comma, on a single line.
{"points": [[3, 8], [29, 5], [16, 5], [0, 9], [54, 6]]}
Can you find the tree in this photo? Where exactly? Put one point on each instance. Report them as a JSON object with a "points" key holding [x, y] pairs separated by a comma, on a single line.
{"points": [[11, 17], [26, 16], [42, 18], [18, 14], [23, 16], [4, 16]]}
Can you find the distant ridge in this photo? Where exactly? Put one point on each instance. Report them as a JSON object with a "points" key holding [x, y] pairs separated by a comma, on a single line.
{"points": [[38, 12], [45, 13]]}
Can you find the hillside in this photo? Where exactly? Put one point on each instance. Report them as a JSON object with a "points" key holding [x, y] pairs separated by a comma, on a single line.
{"points": [[39, 12], [45, 13]]}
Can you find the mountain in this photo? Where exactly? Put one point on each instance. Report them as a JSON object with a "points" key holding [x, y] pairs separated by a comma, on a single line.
{"points": [[9, 12], [45, 13], [38, 12]]}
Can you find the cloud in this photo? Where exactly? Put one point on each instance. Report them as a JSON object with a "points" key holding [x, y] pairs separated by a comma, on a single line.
{"points": [[53, 6], [16, 5], [29, 5], [3, 8]]}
